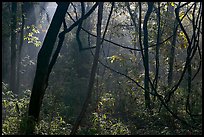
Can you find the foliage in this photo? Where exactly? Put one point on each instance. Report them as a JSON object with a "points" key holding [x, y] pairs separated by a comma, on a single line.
{"points": [[103, 122], [14, 116], [14, 109], [56, 127], [117, 105], [30, 37]]}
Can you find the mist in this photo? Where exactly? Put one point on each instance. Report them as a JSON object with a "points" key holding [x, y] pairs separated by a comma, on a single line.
{"points": [[103, 68]]}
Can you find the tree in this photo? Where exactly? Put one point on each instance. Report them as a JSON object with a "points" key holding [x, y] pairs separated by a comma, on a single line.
{"points": [[146, 56], [158, 46], [173, 44], [44, 55], [148, 80], [20, 49], [93, 70], [6, 33], [13, 47]]}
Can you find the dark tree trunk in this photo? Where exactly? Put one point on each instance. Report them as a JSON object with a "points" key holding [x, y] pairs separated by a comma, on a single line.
{"points": [[43, 61], [5, 59], [146, 56], [93, 70], [13, 47], [5, 43]]}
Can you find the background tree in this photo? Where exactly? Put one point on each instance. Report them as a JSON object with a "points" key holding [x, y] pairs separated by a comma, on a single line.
{"points": [[13, 47], [116, 105], [20, 48]]}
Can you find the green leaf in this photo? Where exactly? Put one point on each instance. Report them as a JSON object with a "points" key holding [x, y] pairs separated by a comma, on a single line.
{"points": [[60, 118], [101, 103], [104, 116], [4, 103]]}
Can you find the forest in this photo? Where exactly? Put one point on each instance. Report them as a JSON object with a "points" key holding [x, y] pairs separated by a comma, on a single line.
{"points": [[101, 68]]}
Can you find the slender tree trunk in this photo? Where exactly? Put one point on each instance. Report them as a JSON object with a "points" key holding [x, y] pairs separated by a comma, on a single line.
{"points": [[133, 18], [20, 48], [13, 47], [158, 46], [171, 56], [146, 55], [172, 50], [43, 61], [93, 70], [189, 69]]}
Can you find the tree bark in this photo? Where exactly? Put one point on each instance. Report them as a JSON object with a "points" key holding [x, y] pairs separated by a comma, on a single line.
{"points": [[43, 61], [93, 71], [158, 46], [146, 56], [20, 48], [6, 34], [172, 50], [13, 47]]}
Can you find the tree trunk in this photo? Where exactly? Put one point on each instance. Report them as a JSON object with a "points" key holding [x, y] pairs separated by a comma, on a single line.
{"points": [[146, 56], [158, 46], [13, 47], [5, 59], [172, 50], [20, 48], [93, 70], [43, 61], [171, 56]]}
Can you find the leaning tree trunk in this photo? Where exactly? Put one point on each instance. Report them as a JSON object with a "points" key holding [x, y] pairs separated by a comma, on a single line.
{"points": [[13, 47], [43, 61], [146, 56]]}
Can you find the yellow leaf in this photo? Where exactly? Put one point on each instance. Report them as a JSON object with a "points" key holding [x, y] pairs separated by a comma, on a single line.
{"points": [[181, 15], [172, 4], [181, 34], [113, 58], [185, 45]]}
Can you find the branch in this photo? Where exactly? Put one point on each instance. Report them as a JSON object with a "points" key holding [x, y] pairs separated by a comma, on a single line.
{"points": [[93, 71], [75, 11], [188, 58], [155, 93], [78, 21], [119, 45], [111, 11], [79, 26]]}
